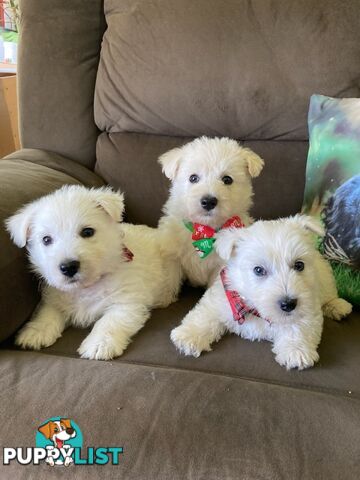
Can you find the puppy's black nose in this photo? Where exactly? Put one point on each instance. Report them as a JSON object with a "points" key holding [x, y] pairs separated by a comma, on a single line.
{"points": [[288, 304], [208, 202], [69, 269], [70, 431]]}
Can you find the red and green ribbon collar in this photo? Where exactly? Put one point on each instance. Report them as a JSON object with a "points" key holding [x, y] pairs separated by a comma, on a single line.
{"points": [[203, 235]]}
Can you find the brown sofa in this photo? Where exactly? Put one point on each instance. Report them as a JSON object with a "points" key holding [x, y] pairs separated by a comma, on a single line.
{"points": [[170, 70]]}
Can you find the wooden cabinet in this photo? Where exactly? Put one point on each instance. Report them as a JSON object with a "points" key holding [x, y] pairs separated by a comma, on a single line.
{"points": [[9, 131]]}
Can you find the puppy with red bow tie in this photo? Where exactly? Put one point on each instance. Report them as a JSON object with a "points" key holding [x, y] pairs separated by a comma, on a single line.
{"points": [[275, 286], [211, 190], [96, 270]]}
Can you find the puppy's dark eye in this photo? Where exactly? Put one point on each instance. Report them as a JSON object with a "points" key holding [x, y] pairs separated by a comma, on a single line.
{"points": [[47, 240], [260, 271], [299, 266], [87, 232], [227, 180], [194, 178], [56, 430]]}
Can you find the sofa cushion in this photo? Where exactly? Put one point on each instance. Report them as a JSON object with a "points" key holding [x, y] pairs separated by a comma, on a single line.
{"points": [[336, 372], [241, 69], [25, 176], [177, 424], [129, 161]]}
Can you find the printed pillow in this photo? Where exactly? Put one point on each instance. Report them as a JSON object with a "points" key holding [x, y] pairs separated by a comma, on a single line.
{"points": [[332, 188]]}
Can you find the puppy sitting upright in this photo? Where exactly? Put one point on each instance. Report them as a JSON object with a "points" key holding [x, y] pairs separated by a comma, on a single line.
{"points": [[276, 286], [211, 190], [95, 269]]}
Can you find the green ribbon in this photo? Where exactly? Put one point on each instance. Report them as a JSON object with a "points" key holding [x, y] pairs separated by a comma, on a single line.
{"points": [[189, 226], [204, 246]]}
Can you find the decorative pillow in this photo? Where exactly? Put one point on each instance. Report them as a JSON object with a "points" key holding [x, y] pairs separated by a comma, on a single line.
{"points": [[332, 188]]}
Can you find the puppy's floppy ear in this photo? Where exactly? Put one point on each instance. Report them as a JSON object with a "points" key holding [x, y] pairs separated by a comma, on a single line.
{"points": [[66, 422], [170, 162], [19, 224], [226, 241], [45, 429], [112, 202], [254, 163], [310, 223]]}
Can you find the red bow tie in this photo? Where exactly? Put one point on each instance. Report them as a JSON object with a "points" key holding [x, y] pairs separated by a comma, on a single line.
{"points": [[203, 235], [237, 304]]}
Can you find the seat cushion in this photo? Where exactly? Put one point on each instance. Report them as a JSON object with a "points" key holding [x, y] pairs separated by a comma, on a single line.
{"points": [[178, 424], [129, 161], [336, 372], [25, 176], [236, 68]]}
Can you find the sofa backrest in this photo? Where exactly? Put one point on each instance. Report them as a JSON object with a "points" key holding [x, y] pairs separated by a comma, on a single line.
{"points": [[58, 59], [171, 70], [240, 68], [174, 69]]}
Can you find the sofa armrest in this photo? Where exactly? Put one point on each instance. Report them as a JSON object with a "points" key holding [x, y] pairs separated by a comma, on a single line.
{"points": [[26, 175]]}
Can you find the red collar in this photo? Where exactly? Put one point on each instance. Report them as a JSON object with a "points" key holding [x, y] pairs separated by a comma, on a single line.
{"points": [[237, 304]]}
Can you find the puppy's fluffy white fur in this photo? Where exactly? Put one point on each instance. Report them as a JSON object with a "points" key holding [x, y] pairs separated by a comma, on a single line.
{"points": [[211, 159], [108, 290], [275, 246]]}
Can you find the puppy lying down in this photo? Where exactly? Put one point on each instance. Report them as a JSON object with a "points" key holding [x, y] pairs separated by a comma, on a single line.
{"points": [[95, 270], [276, 286]]}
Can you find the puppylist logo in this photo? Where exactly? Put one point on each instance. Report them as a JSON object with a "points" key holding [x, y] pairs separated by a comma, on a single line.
{"points": [[59, 442]]}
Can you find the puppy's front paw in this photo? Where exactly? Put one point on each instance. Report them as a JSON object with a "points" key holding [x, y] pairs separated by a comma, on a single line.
{"points": [[68, 461], [50, 461], [34, 336], [337, 309], [101, 347], [189, 340], [297, 358]]}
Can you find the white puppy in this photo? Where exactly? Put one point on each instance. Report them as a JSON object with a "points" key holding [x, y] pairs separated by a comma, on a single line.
{"points": [[211, 188], [276, 286], [95, 268]]}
